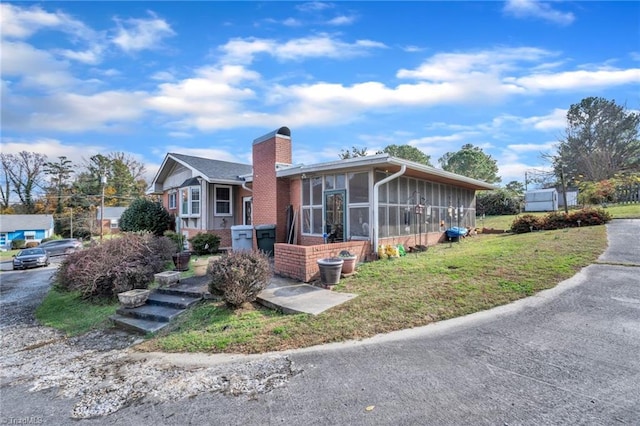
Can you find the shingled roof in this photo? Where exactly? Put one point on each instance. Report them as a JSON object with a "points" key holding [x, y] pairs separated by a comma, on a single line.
{"points": [[214, 169], [25, 222]]}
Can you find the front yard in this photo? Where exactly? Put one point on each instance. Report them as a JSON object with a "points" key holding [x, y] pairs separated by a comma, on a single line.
{"points": [[447, 281]]}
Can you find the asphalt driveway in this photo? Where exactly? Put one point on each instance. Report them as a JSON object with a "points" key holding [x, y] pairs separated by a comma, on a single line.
{"points": [[569, 355]]}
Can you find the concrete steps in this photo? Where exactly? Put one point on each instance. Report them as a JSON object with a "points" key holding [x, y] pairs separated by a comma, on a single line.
{"points": [[162, 306]]}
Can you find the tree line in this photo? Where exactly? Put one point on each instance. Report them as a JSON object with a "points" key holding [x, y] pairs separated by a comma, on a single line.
{"points": [[31, 184], [600, 148]]}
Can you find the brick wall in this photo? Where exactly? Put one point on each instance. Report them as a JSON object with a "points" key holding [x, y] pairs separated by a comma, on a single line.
{"points": [[270, 194], [299, 262]]}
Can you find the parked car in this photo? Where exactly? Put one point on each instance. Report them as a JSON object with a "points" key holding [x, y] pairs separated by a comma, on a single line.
{"points": [[30, 258], [60, 247]]}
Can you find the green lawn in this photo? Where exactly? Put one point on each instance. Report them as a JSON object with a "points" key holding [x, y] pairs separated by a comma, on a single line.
{"points": [[444, 282]]}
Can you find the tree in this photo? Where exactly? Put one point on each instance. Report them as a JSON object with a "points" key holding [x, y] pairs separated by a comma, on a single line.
{"points": [[60, 173], [407, 152], [515, 187], [472, 162], [601, 139], [355, 152], [25, 172], [145, 215]]}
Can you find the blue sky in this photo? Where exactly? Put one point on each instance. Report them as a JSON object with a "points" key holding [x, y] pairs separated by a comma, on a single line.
{"points": [[207, 78]]}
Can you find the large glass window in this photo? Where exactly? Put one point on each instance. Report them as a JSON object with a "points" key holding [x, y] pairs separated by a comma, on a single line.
{"points": [[359, 221], [184, 206], [222, 200], [312, 205], [190, 201], [172, 200]]}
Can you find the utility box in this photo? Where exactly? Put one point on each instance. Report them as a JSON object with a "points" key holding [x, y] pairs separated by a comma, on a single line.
{"points": [[541, 200], [242, 238], [266, 238]]}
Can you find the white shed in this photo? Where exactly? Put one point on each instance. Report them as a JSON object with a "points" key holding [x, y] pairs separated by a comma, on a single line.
{"points": [[541, 200]]}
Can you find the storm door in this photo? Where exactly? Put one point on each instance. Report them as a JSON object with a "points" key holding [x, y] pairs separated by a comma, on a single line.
{"points": [[334, 217]]}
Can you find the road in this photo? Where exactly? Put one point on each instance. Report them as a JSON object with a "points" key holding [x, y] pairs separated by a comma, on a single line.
{"points": [[569, 355]]}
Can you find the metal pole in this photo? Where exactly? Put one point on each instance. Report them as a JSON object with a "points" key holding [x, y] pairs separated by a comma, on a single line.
{"points": [[103, 180], [71, 225], [564, 189]]}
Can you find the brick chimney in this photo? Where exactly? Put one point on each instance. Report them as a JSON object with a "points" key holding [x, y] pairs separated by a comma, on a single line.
{"points": [[270, 194]]}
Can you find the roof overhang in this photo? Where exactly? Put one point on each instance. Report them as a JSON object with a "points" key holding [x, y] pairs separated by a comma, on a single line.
{"points": [[389, 164]]}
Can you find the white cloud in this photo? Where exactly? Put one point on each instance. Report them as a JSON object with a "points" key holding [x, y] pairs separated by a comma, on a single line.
{"points": [[342, 20], [19, 22], [532, 147], [141, 34], [218, 154], [52, 148], [33, 67], [314, 6], [537, 9], [243, 50], [579, 79], [163, 76]]}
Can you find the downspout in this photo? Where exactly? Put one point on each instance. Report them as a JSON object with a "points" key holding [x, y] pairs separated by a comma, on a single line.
{"points": [[244, 186], [376, 197]]}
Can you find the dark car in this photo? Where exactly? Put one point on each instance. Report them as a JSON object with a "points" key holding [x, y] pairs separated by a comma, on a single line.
{"points": [[60, 247], [30, 258]]}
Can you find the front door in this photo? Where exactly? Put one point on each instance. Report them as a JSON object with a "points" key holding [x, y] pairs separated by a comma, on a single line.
{"points": [[334, 217], [246, 210]]}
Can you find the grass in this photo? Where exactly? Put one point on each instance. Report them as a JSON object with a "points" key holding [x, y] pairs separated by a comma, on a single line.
{"points": [[69, 313], [444, 282]]}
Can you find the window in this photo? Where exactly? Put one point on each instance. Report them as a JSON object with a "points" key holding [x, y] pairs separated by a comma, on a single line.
{"points": [[172, 200], [195, 200], [29, 235], [190, 201], [114, 223], [312, 206], [222, 201]]}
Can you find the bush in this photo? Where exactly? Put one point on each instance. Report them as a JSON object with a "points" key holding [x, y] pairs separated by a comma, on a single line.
{"points": [[114, 266], [17, 244], [53, 237], [589, 217], [555, 220], [527, 223], [145, 215], [497, 202], [239, 276], [176, 239], [205, 243], [32, 244]]}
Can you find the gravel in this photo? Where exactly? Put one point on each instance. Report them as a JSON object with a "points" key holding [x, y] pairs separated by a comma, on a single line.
{"points": [[101, 370]]}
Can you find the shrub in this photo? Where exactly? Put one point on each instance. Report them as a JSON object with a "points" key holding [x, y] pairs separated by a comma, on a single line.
{"points": [[145, 215], [589, 217], [32, 244], [205, 243], [497, 202], [555, 220], [527, 223], [176, 239], [17, 244], [114, 266], [239, 276]]}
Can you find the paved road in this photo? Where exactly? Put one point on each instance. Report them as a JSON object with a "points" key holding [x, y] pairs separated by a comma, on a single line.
{"points": [[570, 355]]}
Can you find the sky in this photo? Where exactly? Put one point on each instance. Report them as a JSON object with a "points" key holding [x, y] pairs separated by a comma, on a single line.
{"points": [[206, 78]]}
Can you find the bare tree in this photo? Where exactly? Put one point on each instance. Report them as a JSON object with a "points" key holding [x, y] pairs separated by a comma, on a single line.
{"points": [[25, 172]]}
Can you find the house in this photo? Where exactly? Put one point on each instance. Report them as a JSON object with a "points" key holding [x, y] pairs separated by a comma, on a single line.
{"points": [[110, 219], [541, 200], [319, 209], [28, 227]]}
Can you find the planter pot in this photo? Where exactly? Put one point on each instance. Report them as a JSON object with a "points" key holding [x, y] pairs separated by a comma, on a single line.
{"points": [[200, 267], [349, 265], [181, 261], [330, 270], [134, 298]]}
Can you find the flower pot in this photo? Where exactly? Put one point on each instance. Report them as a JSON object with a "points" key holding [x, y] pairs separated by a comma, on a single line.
{"points": [[330, 270], [181, 261], [134, 298], [200, 267], [349, 264]]}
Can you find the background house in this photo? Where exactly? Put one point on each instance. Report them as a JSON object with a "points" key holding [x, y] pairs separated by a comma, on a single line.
{"points": [[356, 204], [110, 219], [28, 227]]}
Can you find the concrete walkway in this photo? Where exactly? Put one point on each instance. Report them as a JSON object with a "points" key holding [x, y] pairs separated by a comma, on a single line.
{"points": [[285, 294]]}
